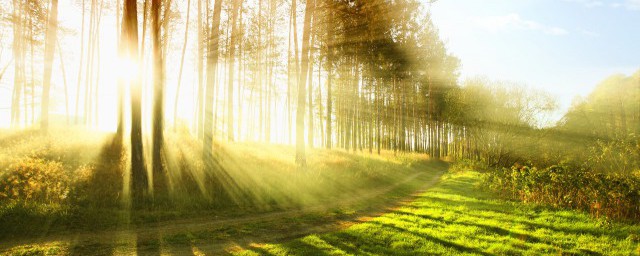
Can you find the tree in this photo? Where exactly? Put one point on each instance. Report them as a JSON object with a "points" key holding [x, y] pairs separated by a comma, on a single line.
{"points": [[159, 181], [139, 179], [18, 56], [200, 66], [301, 158], [50, 44], [232, 49], [184, 49], [329, 48], [212, 65]]}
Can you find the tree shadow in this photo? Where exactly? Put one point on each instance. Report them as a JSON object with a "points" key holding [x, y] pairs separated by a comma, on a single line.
{"points": [[104, 186], [148, 242], [493, 229]]}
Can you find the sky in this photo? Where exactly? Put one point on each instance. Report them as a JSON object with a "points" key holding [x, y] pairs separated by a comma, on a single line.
{"points": [[565, 47]]}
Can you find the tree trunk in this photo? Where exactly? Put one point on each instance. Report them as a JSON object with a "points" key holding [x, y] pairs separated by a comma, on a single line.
{"points": [[212, 65], [232, 57], [310, 90], [200, 100], [139, 179], [49, 48], [329, 49], [159, 176], [289, 73], [184, 49], [300, 147], [120, 81], [18, 55], [64, 79]]}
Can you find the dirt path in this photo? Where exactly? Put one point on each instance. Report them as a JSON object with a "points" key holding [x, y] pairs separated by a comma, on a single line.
{"points": [[214, 235]]}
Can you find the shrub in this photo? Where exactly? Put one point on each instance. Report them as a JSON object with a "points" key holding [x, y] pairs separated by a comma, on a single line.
{"points": [[34, 180], [468, 165], [613, 195]]}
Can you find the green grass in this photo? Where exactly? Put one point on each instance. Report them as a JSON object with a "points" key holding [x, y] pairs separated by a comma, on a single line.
{"points": [[458, 218], [257, 178]]}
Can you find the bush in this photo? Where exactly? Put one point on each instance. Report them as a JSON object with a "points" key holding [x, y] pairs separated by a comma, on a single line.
{"points": [[34, 180], [613, 195], [468, 165]]}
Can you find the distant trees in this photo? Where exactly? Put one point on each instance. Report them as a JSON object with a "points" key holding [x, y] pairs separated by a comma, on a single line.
{"points": [[367, 75], [495, 122], [600, 132], [611, 111]]}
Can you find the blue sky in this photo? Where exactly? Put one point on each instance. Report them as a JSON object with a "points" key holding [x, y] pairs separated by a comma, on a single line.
{"points": [[565, 47]]}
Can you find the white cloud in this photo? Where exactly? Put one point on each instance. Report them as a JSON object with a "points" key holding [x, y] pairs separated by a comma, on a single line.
{"points": [[587, 3], [513, 21], [589, 33], [633, 5]]}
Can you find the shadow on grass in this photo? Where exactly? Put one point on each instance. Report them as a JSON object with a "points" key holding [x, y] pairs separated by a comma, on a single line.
{"points": [[255, 182], [456, 217]]}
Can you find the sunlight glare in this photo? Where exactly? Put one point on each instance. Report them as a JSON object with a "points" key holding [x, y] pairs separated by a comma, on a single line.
{"points": [[128, 69]]}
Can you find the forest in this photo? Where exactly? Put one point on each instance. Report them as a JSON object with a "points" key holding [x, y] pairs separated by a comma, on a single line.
{"points": [[286, 127]]}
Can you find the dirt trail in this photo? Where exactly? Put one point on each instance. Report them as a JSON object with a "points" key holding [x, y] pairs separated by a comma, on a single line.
{"points": [[124, 240]]}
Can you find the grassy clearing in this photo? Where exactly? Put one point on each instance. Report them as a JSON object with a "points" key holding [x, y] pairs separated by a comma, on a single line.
{"points": [[457, 218], [92, 176]]}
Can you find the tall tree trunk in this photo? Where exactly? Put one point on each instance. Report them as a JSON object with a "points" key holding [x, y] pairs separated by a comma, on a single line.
{"points": [[159, 176], [49, 48], [212, 65], [232, 58], [120, 82], [97, 77], [139, 179], [200, 100], [90, 62], [184, 49], [319, 101], [300, 147], [260, 68], [18, 53], [79, 79], [241, 72], [296, 49], [289, 73], [310, 90], [64, 79], [32, 74], [329, 49]]}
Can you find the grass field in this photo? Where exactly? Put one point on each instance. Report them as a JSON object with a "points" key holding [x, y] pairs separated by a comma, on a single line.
{"points": [[90, 174], [270, 198], [457, 218], [342, 204]]}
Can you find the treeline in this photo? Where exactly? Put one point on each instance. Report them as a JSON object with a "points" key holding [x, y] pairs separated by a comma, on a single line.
{"points": [[369, 75], [589, 160], [361, 75]]}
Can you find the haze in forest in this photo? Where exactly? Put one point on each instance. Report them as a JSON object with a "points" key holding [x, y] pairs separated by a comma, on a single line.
{"points": [[317, 127], [565, 47]]}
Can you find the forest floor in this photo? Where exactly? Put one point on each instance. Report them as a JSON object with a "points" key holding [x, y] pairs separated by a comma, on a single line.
{"points": [[344, 204], [456, 217], [214, 235], [281, 202]]}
